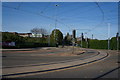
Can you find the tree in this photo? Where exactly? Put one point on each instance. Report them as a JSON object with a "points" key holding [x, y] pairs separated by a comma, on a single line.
{"points": [[56, 36], [37, 31], [43, 31], [68, 39], [12, 37], [82, 37]]}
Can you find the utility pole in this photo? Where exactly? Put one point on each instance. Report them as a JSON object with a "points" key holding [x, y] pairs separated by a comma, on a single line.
{"points": [[92, 36], [55, 23], [117, 36], [81, 42], [49, 36], [81, 39], [86, 42], [108, 36]]}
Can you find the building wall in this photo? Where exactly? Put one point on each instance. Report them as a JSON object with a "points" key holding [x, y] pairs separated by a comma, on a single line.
{"points": [[25, 34]]}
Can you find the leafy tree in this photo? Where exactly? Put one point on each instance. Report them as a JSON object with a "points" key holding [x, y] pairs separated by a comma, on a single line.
{"points": [[67, 39], [11, 37], [82, 37], [56, 36]]}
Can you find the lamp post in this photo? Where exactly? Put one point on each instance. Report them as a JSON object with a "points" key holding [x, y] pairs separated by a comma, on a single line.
{"points": [[55, 23], [81, 39], [108, 36], [49, 35], [81, 42]]}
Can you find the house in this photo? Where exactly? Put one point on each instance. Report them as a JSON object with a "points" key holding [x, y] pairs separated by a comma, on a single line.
{"points": [[22, 34], [25, 34], [13, 32], [29, 34]]}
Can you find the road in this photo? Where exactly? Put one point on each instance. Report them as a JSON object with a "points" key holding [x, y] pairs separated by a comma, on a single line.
{"points": [[21, 58], [104, 68]]}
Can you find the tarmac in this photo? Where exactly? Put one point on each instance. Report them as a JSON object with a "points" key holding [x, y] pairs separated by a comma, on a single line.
{"points": [[32, 70]]}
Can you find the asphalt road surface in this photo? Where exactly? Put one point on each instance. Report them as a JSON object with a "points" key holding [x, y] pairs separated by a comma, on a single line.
{"points": [[105, 68], [22, 58]]}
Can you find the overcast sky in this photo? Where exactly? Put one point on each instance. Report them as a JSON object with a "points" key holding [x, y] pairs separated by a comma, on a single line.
{"points": [[86, 17]]}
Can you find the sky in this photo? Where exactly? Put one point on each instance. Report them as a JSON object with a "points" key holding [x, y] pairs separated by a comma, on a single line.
{"points": [[85, 17]]}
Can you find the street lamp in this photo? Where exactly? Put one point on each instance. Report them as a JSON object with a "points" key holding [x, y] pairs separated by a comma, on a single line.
{"points": [[56, 5], [108, 36]]}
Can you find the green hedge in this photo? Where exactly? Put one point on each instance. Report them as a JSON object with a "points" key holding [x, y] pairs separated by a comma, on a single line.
{"points": [[101, 44], [98, 44]]}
